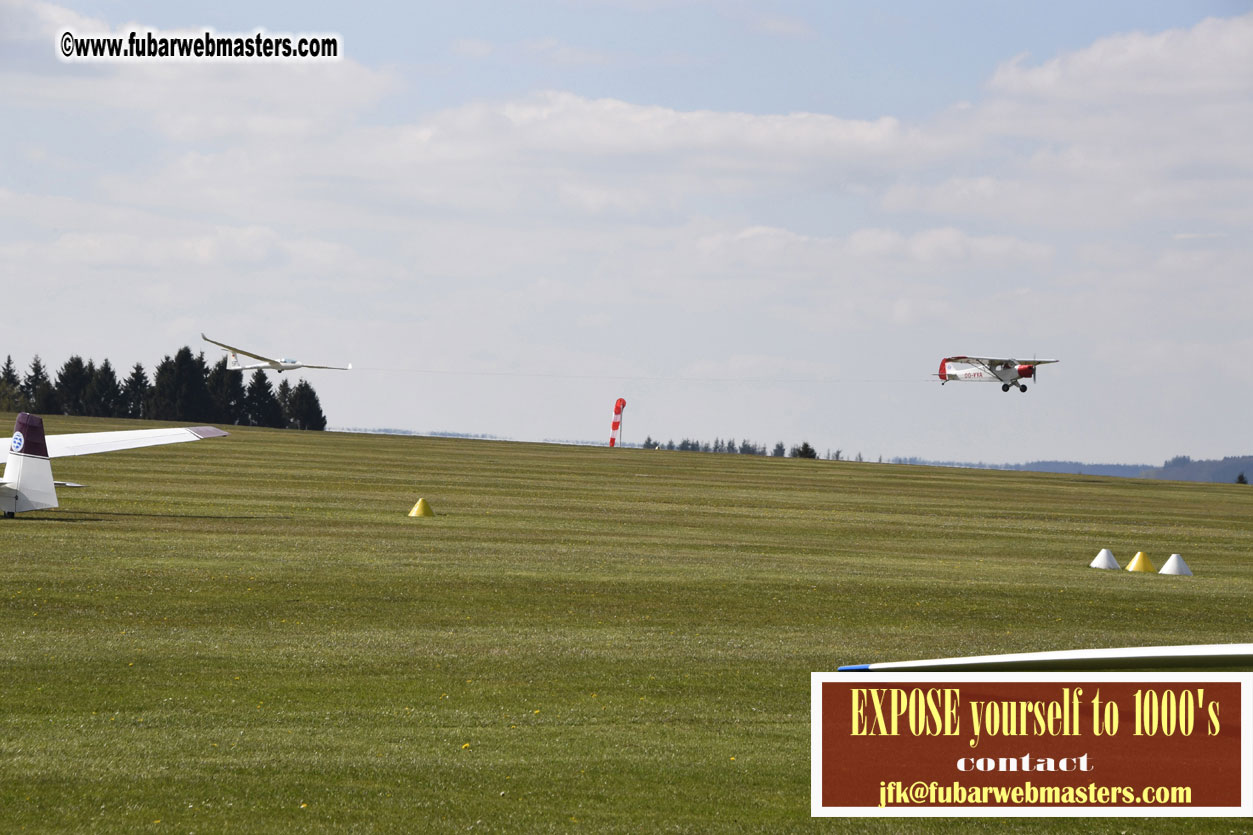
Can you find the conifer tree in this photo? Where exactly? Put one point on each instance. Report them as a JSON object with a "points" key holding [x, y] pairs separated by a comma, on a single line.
{"points": [[304, 411], [283, 395], [11, 397], [180, 389], [41, 396], [804, 451], [72, 381], [136, 393], [103, 395], [226, 389], [8, 373], [160, 404], [261, 407]]}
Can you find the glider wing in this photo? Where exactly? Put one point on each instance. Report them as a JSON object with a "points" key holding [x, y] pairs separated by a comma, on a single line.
{"points": [[238, 350], [89, 443]]}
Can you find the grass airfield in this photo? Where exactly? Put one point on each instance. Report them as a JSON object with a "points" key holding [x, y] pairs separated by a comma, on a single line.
{"points": [[248, 634]]}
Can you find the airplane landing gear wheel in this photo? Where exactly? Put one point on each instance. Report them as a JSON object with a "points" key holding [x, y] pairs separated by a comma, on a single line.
{"points": [[1005, 387], [1023, 389]]}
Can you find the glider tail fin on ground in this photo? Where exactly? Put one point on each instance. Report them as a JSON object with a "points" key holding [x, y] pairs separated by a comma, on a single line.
{"points": [[27, 483]]}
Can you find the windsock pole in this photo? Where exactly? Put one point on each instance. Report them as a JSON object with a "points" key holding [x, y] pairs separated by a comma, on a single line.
{"points": [[615, 428]]}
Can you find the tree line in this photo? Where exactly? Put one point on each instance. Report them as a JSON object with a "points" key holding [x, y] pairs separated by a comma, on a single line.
{"points": [[729, 446], [183, 388]]}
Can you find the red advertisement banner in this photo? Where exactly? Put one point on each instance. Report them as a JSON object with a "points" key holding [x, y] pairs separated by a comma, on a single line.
{"points": [[1031, 743]]}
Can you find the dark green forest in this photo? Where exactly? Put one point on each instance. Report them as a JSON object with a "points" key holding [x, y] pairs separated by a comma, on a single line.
{"points": [[183, 388]]}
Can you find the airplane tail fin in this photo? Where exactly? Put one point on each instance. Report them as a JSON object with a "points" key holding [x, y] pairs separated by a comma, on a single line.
{"points": [[27, 482]]}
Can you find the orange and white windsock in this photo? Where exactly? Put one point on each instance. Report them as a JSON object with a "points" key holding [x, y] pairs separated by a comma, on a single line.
{"points": [[615, 434]]}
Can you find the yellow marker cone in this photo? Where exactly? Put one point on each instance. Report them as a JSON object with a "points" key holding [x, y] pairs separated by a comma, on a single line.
{"points": [[424, 509], [1141, 563]]}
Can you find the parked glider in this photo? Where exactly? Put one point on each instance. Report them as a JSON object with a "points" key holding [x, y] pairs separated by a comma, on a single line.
{"points": [[270, 363], [27, 482], [1007, 372]]}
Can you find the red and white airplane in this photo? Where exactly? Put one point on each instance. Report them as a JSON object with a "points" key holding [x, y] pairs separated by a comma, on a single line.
{"points": [[1007, 372]]}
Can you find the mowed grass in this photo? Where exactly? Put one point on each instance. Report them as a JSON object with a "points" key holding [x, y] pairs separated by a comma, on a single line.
{"points": [[248, 634]]}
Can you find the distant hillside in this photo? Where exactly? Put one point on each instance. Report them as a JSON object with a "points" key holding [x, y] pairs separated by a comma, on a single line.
{"points": [[1078, 468], [1184, 468], [1181, 468], [1072, 467]]}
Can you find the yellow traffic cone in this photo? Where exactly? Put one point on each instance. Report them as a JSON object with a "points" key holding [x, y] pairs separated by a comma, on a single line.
{"points": [[424, 509], [1141, 563]]}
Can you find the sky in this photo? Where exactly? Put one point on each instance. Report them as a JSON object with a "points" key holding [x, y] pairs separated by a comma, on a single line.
{"points": [[759, 221]]}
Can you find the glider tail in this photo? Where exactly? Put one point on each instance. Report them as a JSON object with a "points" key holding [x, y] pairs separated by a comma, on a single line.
{"points": [[27, 482]]}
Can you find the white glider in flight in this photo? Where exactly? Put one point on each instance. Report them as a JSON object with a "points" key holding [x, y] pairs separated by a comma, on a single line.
{"points": [[269, 363], [27, 482]]}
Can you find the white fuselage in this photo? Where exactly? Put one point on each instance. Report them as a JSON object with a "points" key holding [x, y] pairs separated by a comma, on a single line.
{"points": [[269, 365], [975, 373]]}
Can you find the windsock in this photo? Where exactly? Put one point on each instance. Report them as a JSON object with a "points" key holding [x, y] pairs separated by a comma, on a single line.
{"points": [[615, 434]]}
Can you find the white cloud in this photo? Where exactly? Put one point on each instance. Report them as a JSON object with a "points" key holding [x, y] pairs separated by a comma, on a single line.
{"points": [[1132, 129], [37, 21], [1212, 59], [565, 123], [930, 246], [473, 48], [554, 51], [223, 247], [788, 27], [1198, 236], [197, 102], [953, 245]]}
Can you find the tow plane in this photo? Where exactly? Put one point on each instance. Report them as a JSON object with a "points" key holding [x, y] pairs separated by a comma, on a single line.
{"points": [[268, 363], [27, 481], [1008, 372]]}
